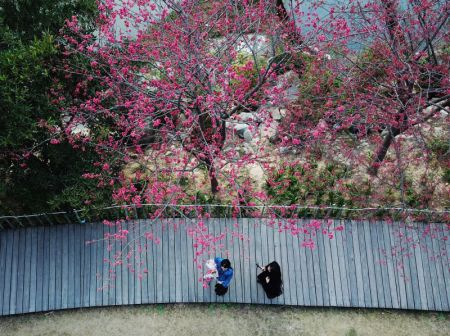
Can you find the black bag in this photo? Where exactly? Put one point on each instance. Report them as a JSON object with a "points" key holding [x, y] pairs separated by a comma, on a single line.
{"points": [[220, 290]]}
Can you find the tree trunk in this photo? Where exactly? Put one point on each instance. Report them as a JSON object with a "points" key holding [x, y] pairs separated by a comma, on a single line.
{"points": [[212, 176], [382, 150]]}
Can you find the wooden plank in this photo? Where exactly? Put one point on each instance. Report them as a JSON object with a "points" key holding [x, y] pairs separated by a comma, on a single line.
{"points": [[125, 266], [289, 264], [29, 243], [107, 276], [118, 267], [336, 269], [77, 269], [20, 270], [232, 289], [304, 268], [444, 241], [268, 252], [419, 265], [397, 245], [137, 263], [439, 280], [191, 269], [157, 262], [330, 272], [289, 289], [342, 257], [364, 265], [12, 279], [359, 272], [2, 267], [248, 280], [180, 263], [310, 275], [321, 240], [86, 250], [71, 261], [263, 256], [90, 261], [165, 262], [112, 275], [128, 264], [9, 241], [34, 260], [411, 257], [390, 264], [424, 252], [46, 268], [274, 229], [144, 269], [376, 264], [224, 252], [185, 259], [296, 264], [64, 269], [236, 293], [206, 292], [214, 229], [238, 261], [98, 229], [167, 245], [370, 264], [317, 275], [431, 275], [57, 254], [405, 256], [351, 268], [133, 269], [255, 258], [446, 258], [93, 260], [40, 269], [381, 265]]}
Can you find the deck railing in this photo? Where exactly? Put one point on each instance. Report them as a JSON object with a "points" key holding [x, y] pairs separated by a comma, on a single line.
{"points": [[144, 211]]}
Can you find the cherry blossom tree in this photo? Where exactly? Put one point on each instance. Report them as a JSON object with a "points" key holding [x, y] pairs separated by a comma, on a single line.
{"points": [[380, 78], [388, 72], [165, 85], [170, 80]]}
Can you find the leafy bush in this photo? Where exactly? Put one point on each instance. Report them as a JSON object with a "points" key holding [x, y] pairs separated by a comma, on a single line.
{"points": [[308, 184]]}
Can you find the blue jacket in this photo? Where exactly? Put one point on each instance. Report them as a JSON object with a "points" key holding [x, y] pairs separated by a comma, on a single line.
{"points": [[224, 276]]}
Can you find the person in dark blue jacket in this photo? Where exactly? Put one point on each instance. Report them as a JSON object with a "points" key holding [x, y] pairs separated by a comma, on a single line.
{"points": [[225, 274]]}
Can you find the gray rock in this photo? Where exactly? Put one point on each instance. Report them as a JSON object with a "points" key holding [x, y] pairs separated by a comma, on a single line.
{"points": [[284, 150], [240, 127], [291, 81], [247, 135], [248, 117]]}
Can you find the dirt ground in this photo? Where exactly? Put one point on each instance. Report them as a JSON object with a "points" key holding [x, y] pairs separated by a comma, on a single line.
{"points": [[225, 319]]}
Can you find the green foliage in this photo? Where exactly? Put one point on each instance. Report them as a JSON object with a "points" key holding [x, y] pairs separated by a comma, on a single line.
{"points": [[51, 181], [50, 177], [440, 147], [312, 185], [446, 175], [25, 80], [351, 332], [31, 19], [240, 66]]}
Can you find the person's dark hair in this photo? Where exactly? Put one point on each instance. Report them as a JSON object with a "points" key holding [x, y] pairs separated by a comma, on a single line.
{"points": [[220, 290], [275, 287], [225, 263], [275, 268]]}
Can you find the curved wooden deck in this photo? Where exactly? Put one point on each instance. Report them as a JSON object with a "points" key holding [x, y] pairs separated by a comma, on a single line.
{"points": [[371, 265]]}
